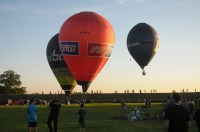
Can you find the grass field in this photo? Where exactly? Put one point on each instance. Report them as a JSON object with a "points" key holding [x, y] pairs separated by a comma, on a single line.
{"points": [[98, 119]]}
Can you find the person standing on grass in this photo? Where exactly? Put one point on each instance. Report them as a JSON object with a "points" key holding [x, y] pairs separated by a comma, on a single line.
{"points": [[191, 107], [177, 117], [125, 110], [32, 116], [168, 102], [122, 102], [54, 107], [82, 113]]}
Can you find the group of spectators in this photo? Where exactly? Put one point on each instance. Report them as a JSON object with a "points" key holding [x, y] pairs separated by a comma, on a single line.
{"points": [[178, 116], [54, 107]]}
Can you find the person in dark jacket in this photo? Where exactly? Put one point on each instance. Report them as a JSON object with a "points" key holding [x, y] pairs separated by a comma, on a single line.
{"points": [[54, 107], [177, 117], [82, 113]]}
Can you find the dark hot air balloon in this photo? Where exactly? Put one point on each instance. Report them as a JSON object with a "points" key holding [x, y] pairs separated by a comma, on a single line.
{"points": [[86, 41], [142, 44], [59, 67]]}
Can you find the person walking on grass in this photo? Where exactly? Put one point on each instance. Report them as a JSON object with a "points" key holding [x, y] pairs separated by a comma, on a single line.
{"points": [[32, 116], [54, 107], [177, 117], [82, 113]]}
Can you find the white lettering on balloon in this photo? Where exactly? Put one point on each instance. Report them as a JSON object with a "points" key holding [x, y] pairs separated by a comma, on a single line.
{"points": [[68, 48], [133, 44], [97, 50], [57, 57]]}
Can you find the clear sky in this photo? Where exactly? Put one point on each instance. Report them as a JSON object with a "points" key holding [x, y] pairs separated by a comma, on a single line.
{"points": [[27, 26]]}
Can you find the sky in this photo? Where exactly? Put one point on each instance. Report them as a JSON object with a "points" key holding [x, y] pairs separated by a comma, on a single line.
{"points": [[27, 26]]}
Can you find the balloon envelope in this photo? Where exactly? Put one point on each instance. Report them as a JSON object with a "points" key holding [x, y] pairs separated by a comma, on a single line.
{"points": [[142, 43], [86, 41], [59, 67]]}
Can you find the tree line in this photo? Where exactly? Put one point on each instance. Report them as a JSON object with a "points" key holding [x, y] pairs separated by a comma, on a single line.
{"points": [[10, 83]]}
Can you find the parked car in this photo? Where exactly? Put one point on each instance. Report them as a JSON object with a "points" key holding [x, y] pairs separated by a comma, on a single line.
{"points": [[3, 102]]}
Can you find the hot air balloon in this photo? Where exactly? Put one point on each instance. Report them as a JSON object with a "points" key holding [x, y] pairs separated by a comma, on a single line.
{"points": [[86, 41], [59, 67], [142, 44]]}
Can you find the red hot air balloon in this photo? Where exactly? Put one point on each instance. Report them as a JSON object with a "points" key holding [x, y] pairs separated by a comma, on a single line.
{"points": [[142, 44], [86, 41], [59, 67]]}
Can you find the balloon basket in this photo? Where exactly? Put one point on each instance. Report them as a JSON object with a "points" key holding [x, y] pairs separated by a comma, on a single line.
{"points": [[143, 73]]}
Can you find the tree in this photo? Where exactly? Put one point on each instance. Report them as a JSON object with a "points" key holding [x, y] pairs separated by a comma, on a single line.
{"points": [[10, 83]]}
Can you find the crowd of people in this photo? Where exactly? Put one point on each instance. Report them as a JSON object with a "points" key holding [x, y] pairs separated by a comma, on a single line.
{"points": [[178, 114], [54, 107]]}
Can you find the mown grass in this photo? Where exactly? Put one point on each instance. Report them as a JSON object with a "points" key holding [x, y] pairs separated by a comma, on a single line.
{"points": [[98, 119]]}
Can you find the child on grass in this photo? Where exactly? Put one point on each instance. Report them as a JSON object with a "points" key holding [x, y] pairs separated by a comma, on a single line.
{"points": [[32, 116]]}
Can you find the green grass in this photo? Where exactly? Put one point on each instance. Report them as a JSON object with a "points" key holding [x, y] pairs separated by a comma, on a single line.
{"points": [[98, 119]]}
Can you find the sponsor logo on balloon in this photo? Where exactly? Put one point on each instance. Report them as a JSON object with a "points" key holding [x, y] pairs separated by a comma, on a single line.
{"points": [[56, 57], [109, 51], [95, 49], [99, 50], [133, 44], [70, 48]]}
